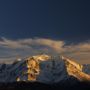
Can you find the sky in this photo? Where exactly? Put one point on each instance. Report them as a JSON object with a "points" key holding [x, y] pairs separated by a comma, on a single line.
{"points": [[28, 27]]}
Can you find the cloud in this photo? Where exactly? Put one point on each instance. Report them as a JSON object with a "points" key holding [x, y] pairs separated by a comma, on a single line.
{"points": [[80, 52], [10, 49], [11, 44]]}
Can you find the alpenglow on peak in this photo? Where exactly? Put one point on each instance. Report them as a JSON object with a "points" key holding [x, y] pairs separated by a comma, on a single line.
{"points": [[43, 68]]}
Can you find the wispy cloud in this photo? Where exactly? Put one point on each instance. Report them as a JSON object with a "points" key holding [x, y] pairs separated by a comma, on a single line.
{"points": [[11, 44], [10, 49]]}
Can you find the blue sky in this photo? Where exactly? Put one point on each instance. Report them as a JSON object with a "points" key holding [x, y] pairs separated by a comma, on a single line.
{"points": [[66, 21]]}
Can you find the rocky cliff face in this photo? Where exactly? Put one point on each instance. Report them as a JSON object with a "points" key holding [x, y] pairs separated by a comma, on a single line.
{"points": [[76, 70]]}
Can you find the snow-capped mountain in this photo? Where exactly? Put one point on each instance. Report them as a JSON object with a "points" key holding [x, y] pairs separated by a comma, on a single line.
{"points": [[42, 68]]}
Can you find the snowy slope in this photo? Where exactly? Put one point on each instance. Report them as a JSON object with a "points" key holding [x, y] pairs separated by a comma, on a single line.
{"points": [[42, 68], [86, 68]]}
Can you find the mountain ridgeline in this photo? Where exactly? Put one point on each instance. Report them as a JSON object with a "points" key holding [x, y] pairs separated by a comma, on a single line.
{"points": [[44, 69]]}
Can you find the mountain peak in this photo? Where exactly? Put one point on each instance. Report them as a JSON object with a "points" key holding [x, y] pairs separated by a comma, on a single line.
{"points": [[41, 57]]}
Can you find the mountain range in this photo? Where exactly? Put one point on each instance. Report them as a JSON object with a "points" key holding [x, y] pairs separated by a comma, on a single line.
{"points": [[44, 68]]}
